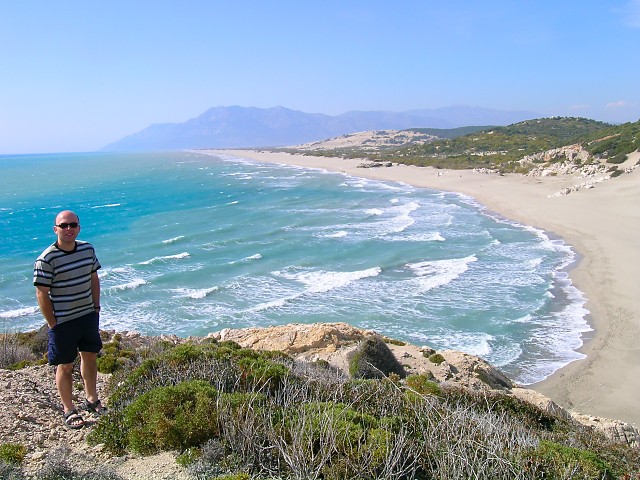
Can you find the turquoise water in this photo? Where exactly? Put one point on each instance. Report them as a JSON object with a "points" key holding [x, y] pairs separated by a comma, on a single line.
{"points": [[193, 243]]}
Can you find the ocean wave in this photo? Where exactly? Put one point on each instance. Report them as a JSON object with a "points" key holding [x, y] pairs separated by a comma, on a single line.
{"points": [[403, 219], [280, 302], [108, 205], [373, 211], [195, 293], [418, 237], [135, 283], [338, 234], [173, 240], [256, 256], [19, 312], [435, 273], [473, 343], [323, 281], [165, 258]]}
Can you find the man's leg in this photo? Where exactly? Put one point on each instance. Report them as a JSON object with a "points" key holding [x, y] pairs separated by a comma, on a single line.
{"points": [[64, 382], [89, 371]]}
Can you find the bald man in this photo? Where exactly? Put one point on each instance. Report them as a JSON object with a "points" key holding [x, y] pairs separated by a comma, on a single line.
{"points": [[68, 292]]}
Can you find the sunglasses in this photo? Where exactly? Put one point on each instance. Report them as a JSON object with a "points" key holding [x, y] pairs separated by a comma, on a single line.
{"points": [[65, 225]]}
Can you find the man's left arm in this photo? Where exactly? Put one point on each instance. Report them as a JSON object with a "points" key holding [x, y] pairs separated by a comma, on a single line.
{"points": [[95, 290]]}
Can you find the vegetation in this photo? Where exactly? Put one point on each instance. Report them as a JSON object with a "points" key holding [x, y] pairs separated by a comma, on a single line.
{"points": [[12, 453], [237, 413], [22, 349], [501, 148]]}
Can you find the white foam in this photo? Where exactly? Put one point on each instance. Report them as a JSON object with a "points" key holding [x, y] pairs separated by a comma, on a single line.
{"points": [[436, 273], [135, 283], [195, 293], [323, 281], [174, 239], [166, 257], [280, 302], [418, 237], [373, 211], [338, 234], [474, 343], [108, 205], [19, 312], [256, 256]]}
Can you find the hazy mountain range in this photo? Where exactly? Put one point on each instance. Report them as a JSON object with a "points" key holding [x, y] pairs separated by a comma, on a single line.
{"points": [[234, 126]]}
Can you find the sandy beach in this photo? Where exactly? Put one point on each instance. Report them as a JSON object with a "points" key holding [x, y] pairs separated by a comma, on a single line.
{"points": [[602, 224]]}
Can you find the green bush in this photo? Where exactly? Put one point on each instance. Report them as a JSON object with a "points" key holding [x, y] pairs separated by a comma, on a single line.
{"points": [[618, 159], [424, 385], [558, 461], [166, 418], [436, 358], [373, 359], [13, 453]]}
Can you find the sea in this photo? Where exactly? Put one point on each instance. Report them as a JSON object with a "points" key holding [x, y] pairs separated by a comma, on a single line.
{"points": [[193, 242]]}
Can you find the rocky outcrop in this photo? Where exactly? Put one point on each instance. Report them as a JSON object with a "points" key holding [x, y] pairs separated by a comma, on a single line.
{"points": [[614, 429], [575, 154]]}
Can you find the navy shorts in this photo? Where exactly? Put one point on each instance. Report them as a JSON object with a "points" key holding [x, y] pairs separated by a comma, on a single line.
{"points": [[68, 338]]}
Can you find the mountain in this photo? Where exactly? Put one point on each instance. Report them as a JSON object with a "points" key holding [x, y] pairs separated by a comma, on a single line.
{"points": [[234, 126]]}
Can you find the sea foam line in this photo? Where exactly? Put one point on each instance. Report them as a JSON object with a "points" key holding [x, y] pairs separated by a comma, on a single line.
{"points": [[19, 312], [256, 256], [135, 283], [108, 205], [174, 239], [166, 257], [195, 293]]}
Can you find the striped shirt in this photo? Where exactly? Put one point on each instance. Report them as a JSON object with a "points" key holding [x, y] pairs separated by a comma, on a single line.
{"points": [[68, 275]]}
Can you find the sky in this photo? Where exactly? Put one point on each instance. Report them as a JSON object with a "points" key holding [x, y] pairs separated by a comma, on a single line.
{"points": [[78, 75]]}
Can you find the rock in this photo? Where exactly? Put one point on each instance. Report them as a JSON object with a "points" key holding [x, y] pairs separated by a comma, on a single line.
{"points": [[613, 429], [540, 401]]}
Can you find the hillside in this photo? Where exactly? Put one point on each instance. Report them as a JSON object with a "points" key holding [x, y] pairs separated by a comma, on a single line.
{"points": [[520, 147]]}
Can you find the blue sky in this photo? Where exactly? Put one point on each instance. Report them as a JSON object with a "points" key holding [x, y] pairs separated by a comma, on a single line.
{"points": [[77, 75]]}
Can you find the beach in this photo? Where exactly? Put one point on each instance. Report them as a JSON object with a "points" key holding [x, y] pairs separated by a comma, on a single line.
{"points": [[602, 224]]}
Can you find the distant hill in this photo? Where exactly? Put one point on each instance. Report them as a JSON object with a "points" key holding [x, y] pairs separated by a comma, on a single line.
{"points": [[517, 147], [234, 126]]}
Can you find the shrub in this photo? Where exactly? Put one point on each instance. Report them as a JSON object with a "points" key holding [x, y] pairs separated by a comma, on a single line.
{"points": [[424, 385], [393, 341], [558, 461], [14, 354], [59, 466], [374, 359], [436, 358], [618, 159], [114, 356], [13, 453], [166, 418]]}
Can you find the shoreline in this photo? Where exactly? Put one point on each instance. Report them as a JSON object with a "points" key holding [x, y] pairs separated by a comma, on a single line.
{"points": [[601, 224]]}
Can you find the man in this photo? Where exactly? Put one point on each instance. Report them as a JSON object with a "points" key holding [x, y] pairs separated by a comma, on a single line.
{"points": [[68, 293]]}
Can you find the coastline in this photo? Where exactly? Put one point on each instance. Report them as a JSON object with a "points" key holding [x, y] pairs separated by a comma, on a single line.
{"points": [[602, 225]]}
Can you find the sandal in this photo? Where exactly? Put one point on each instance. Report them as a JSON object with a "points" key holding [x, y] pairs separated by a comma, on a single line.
{"points": [[73, 420], [95, 407]]}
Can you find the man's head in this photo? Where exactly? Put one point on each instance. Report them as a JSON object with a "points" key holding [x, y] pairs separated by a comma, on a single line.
{"points": [[67, 228]]}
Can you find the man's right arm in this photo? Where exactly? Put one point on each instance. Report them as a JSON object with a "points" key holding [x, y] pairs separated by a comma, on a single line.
{"points": [[46, 307]]}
